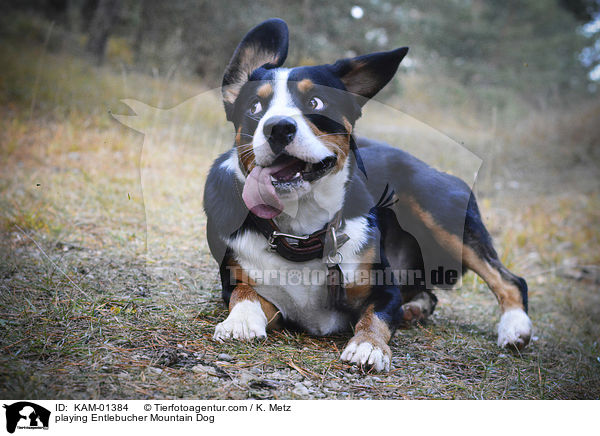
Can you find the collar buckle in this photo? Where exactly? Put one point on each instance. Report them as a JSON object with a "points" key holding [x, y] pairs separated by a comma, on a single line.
{"points": [[275, 234]]}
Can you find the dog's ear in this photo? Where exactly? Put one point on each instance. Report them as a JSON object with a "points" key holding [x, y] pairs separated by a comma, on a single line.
{"points": [[367, 75], [265, 45]]}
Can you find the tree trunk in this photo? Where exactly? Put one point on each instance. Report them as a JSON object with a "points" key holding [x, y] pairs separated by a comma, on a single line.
{"points": [[100, 26], [144, 20]]}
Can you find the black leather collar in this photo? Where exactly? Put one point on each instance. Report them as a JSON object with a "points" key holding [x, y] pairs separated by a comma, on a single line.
{"points": [[308, 247], [302, 248]]}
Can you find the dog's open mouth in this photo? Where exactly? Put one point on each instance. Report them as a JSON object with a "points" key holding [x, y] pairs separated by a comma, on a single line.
{"points": [[290, 171], [264, 184]]}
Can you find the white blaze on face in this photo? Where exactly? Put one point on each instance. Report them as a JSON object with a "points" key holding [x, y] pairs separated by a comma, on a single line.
{"points": [[305, 145]]}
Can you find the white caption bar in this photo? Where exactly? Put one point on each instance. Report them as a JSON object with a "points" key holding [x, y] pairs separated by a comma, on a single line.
{"points": [[40, 417]]}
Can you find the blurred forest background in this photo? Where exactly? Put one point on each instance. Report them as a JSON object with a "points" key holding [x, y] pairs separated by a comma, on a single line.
{"points": [[494, 63], [88, 311], [542, 50]]}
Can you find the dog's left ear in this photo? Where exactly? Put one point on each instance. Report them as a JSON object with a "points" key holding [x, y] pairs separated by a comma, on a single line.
{"points": [[367, 75], [266, 45]]}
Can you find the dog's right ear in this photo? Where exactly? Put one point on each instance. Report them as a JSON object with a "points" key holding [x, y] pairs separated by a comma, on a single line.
{"points": [[266, 45], [365, 75]]}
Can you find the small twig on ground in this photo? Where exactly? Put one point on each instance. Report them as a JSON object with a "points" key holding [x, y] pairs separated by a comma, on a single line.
{"points": [[304, 372], [14, 343]]}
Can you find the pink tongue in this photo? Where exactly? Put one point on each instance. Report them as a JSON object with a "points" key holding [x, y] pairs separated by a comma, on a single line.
{"points": [[259, 193]]}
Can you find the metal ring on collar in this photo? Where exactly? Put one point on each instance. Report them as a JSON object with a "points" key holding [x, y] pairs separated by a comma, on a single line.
{"points": [[336, 258]]}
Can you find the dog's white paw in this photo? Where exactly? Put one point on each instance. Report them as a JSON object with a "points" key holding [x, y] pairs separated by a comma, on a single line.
{"points": [[514, 329], [364, 352], [246, 321]]}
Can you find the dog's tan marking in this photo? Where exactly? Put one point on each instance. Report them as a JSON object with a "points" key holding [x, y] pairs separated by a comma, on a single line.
{"points": [[265, 91], [245, 152], [372, 327], [238, 136], [337, 143], [237, 273], [508, 295], [368, 346], [244, 63], [347, 125], [246, 320], [305, 85], [360, 289], [244, 291]]}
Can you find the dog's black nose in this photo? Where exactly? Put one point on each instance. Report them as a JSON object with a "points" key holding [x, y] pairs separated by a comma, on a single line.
{"points": [[279, 131]]}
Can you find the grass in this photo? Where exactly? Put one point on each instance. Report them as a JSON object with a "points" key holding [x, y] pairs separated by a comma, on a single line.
{"points": [[118, 296]]}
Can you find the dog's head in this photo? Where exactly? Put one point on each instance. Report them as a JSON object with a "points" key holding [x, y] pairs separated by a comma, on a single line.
{"points": [[293, 126]]}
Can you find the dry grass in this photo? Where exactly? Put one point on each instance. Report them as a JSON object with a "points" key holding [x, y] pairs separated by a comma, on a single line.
{"points": [[121, 297]]}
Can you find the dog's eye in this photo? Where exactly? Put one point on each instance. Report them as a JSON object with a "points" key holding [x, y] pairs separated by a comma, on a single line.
{"points": [[256, 107], [316, 103]]}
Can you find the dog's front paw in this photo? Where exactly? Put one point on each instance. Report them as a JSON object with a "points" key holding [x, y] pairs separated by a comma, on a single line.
{"points": [[514, 330], [364, 351], [246, 321]]}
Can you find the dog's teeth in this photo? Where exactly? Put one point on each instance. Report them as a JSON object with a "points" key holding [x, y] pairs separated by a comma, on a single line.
{"points": [[296, 175], [273, 179]]}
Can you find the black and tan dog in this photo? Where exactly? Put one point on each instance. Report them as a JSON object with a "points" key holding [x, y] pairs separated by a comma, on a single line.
{"points": [[316, 229]]}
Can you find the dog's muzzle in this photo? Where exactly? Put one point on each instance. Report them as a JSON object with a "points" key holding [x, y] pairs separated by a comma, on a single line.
{"points": [[279, 131]]}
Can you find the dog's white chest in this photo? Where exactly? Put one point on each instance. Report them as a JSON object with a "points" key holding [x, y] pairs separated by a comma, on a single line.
{"points": [[297, 289]]}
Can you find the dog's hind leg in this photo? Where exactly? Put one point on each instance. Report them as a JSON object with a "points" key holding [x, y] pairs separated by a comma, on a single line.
{"points": [[404, 255], [419, 307], [476, 251], [479, 255], [515, 328]]}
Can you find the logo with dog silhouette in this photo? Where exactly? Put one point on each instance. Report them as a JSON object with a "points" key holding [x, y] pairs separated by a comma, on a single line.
{"points": [[26, 415]]}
